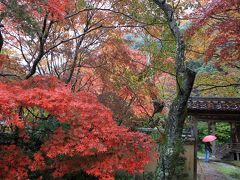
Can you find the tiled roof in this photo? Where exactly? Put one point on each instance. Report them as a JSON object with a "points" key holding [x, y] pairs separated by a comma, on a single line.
{"points": [[230, 105], [213, 108]]}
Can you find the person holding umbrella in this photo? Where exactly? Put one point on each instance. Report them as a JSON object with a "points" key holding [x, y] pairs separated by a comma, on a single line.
{"points": [[208, 149]]}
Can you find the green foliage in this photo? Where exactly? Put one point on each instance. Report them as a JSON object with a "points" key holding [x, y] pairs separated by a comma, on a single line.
{"points": [[6, 137], [135, 81], [180, 163], [145, 11], [80, 175], [123, 175], [223, 133], [179, 160], [210, 81], [81, 4], [201, 67], [39, 134], [202, 131]]}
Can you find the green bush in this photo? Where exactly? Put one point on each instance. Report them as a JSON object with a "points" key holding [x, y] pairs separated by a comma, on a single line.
{"points": [[223, 133]]}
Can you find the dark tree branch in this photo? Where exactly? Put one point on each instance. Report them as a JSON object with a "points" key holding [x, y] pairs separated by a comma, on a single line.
{"points": [[218, 86], [42, 40], [77, 49], [8, 75]]}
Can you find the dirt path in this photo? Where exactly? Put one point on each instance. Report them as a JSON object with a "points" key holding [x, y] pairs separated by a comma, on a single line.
{"points": [[206, 171]]}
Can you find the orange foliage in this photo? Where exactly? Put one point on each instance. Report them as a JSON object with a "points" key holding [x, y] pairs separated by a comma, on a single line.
{"points": [[118, 69]]}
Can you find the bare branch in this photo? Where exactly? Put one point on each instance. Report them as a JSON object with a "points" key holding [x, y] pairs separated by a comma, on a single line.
{"points": [[10, 75], [218, 86]]}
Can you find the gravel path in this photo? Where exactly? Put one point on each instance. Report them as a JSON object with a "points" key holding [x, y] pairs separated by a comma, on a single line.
{"points": [[207, 171]]}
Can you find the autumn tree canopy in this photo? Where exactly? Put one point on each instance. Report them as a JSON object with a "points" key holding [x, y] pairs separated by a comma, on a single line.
{"points": [[82, 51], [213, 44], [84, 45], [54, 130]]}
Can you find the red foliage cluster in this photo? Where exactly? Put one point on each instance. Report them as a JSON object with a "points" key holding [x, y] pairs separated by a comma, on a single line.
{"points": [[13, 163], [93, 142], [56, 9], [222, 15], [2, 59]]}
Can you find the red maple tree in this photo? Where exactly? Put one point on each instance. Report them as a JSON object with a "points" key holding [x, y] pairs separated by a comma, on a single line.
{"points": [[219, 19], [84, 136]]}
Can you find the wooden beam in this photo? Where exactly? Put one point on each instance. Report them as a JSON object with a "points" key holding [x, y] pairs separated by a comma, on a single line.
{"points": [[213, 127], [195, 133]]}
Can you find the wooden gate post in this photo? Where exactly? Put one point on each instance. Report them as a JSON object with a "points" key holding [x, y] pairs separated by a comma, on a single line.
{"points": [[195, 133], [213, 127]]}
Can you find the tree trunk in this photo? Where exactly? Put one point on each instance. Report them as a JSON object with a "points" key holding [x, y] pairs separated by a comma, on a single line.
{"points": [[185, 77], [171, 148]]}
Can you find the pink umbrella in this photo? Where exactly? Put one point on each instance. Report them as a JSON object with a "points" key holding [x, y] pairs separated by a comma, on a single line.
{"points": [[209, 138]]}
